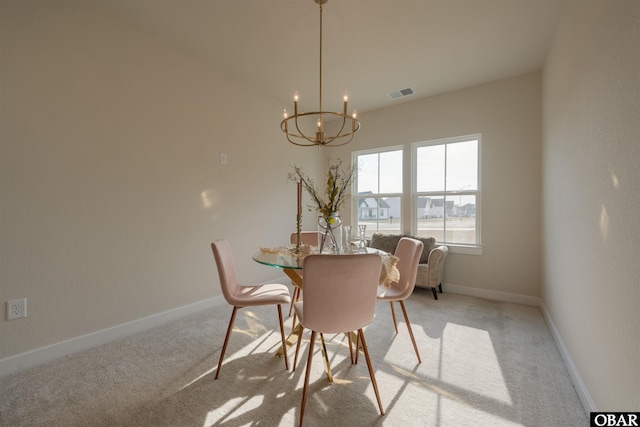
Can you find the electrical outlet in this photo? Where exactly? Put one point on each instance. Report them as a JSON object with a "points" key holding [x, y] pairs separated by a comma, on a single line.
{"points": [[16, 308]]}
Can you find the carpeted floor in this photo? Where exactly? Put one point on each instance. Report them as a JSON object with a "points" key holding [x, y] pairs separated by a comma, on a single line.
{"points": [[484, 363]]}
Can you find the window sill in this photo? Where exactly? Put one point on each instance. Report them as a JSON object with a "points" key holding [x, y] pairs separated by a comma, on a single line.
{"points": [[465, 250]]}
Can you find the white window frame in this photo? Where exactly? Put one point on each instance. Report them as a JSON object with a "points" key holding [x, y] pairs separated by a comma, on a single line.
{"points": [[475, 249], [409, 195], [354, 189]]}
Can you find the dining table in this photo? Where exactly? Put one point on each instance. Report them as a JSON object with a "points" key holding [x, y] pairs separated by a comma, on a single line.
{"points": [[291, 260]]}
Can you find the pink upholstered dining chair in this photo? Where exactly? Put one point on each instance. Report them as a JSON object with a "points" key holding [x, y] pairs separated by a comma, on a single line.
{"points": [[339, 296], [246, 296], [408, 252], [308, 238]]}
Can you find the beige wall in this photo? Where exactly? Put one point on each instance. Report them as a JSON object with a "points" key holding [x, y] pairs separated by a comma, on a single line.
{"points": [[111, 188], [508, 115], [591, 154]]}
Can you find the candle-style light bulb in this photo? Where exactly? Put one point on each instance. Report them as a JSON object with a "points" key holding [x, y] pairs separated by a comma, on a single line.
{"points": [[295, 96], [354, 114], [285, 113], [346, 98]]}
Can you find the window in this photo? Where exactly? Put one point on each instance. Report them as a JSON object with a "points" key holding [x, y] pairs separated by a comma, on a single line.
{"points": [[378, 195], [447, 191], [440, 196]]}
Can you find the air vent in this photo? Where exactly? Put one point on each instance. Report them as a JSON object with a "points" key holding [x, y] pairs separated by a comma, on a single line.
{"points": [[400, 93]]}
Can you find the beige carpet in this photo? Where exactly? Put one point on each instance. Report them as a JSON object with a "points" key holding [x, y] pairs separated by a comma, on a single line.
{"points": [[484, 363]]}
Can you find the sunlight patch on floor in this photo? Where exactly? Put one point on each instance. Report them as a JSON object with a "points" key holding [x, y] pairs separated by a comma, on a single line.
{"points": [[231, 408], [484, 375]]}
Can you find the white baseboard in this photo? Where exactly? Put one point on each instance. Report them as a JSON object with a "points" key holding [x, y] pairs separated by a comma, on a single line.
{"points": [[576, 379], [492, 295], [29, 359]]}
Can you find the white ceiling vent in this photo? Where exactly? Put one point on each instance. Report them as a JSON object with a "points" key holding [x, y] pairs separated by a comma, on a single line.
{"points": [[400, 93]]}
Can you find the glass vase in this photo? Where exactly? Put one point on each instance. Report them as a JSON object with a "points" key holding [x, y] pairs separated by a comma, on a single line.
{"points": [[346, 239], [362, 245], [330, 237]]}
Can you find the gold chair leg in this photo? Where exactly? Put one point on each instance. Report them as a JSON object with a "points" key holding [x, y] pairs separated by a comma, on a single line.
{"points": [[325, 358], [226, 339], [393, 316], [294, 298], [353, 342], [306, 376], [293, 322], [295, 359], [371, 373], [413, 340], [284, 340]]}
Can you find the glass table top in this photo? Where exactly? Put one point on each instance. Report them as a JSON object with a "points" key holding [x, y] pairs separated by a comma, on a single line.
{"points": [[282, 259], [279, 260]]}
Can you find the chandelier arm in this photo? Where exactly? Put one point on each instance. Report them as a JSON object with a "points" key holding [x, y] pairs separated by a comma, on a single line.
{"points": [[320, 145], [293, 135], [297, 136], [299, 144], [339, 133], [342, 143], [302, 134], [350, 134]]}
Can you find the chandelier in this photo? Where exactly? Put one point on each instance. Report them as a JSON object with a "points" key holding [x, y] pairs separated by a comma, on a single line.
{"points": [[300, 128]]}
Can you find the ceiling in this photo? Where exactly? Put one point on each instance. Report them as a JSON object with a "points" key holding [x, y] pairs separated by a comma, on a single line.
{"points": [[370, 47]]}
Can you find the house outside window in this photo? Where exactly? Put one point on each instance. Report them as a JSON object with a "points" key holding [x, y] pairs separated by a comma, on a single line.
{"points": [[378, 195]]}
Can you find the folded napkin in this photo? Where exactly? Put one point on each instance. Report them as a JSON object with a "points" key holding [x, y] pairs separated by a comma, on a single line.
{"points": [[389, 272], [304, 250]]}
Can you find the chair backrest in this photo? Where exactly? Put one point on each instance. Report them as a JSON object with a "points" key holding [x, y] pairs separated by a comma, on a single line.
{"points": [[408, 252], [340, 291], [307, 237], [226, 270]]}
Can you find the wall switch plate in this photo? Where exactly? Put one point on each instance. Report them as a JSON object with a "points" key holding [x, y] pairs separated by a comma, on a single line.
{"points": [[16, 308], [223, 158]]}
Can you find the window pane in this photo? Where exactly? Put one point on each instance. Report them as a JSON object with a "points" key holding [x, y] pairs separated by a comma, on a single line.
{"points": [[379, 191], [391, 172], [461, 219], [431, 217], [462, 166], [430, 168], [379, 214], [368, 173]]}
